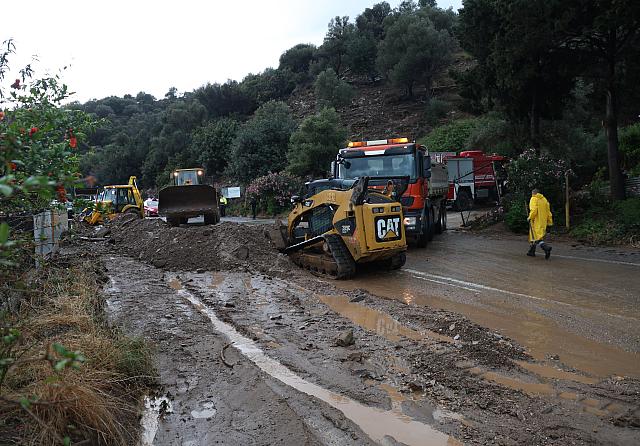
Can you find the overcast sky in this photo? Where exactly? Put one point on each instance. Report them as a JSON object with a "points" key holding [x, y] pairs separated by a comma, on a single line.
{"points": [[117, 47]]}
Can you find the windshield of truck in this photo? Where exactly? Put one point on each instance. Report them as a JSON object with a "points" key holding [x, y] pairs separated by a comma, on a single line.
{"points": [[187, 177], [378, 166]]}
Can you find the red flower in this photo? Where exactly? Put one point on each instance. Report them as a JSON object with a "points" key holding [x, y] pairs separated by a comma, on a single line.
{"points": [[12, 166], [33, 130], [1, 115], [16, 84], [73, 142]]}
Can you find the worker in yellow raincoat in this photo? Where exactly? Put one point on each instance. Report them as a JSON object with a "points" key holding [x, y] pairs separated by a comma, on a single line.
{"points": [[539, 218]]}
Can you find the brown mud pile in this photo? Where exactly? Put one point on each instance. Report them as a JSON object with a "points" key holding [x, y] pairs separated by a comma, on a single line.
{"points": [[225, 246]]}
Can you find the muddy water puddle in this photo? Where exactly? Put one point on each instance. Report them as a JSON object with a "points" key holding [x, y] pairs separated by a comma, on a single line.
{"points": [[376, 423], [601, 408], [377, 321], [384, 325], [540, 335]]}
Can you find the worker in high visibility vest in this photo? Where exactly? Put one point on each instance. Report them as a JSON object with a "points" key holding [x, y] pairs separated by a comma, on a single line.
{"points": [[223, 205]]}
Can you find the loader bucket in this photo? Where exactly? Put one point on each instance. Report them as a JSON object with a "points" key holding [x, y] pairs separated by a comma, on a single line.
{"points": [[276, 234], [187, 201]]}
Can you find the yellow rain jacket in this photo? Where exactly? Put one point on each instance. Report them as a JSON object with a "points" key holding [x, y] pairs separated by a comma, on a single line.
{"points": [[223, 200], [539, 217]]}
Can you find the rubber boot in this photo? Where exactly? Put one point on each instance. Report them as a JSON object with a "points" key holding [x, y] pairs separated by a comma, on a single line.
{"points": [[547, 250], [532, 250]]}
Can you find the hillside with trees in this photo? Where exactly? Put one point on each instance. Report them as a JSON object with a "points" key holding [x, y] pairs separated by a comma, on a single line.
{"points": [[498, 75]]}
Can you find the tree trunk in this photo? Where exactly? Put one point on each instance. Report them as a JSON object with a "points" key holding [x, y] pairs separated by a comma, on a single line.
{"points": [[611, 126], [611, 123], [428, 84], [534, 121]]}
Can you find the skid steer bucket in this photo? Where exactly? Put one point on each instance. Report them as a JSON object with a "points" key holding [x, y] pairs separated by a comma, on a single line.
{"points": [[277, 235], [187, 201]]}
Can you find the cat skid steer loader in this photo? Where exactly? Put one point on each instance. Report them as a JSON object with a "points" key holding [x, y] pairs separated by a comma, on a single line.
{"points": [[343, 223]]}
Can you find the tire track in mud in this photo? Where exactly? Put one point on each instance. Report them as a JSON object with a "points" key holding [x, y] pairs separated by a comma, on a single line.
{"points": [[520, 401], [211, 402], [378, 424]]}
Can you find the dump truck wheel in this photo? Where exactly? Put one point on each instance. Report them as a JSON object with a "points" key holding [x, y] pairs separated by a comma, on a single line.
{"points": [[431, 224], [423, 238], [441, 226]]}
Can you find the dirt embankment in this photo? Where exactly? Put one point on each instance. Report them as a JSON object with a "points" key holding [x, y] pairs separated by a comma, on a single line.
{"points": [[416, 361]]}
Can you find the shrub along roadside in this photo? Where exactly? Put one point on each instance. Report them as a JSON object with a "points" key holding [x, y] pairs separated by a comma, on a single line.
{"points": [[610, 223], [65, 376]]}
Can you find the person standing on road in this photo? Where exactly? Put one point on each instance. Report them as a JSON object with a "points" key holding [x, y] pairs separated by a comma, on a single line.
{"points": [[254, 206], [539, 218], [223, 205]]}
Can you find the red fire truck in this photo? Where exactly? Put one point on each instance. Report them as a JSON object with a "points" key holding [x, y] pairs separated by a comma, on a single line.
{"points": [[473, 176], [424, 201]]}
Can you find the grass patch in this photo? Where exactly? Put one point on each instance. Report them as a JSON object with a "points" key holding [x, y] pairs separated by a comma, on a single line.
{"points": [[67, 376]]}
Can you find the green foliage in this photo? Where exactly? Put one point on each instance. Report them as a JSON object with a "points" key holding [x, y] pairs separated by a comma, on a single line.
{"points": [[516, 216], [436, 110], [540, 171], [269, 85], [273, 191], [211, 144], [630, 148], [38, 149], [361, 53], [494, 133], [596, 231], [413, 51], [452, 137], [628, 212], [332, 91], [261, 144], [225, 99], [134, 358], [298, 59], [315, 144], [334, 47]]}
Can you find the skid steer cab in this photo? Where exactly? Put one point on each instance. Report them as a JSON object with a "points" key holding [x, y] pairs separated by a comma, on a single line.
{"points": [[189, 195], [114, 200]]}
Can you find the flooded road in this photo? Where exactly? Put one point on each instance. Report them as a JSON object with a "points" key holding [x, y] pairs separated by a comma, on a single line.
{"points": [[581, 306]]}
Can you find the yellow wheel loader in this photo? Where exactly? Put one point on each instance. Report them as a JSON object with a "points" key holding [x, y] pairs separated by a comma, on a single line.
{"points": [[188, 196], [343, 223], [114, 200]]}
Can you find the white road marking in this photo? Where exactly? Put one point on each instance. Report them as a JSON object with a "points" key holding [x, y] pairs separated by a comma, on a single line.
{"points": [[615, 262], [445, 283], [450, 281]]}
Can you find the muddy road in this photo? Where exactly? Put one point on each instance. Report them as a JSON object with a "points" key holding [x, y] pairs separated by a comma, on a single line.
{"points": [[583, 305], [471, 343]]}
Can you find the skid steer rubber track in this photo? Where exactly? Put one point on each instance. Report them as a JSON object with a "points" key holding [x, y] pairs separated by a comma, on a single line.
{"points": [[337, 264]]}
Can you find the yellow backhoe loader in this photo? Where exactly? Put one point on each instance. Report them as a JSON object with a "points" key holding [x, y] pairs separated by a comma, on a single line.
{"points": [[116, 199], [188, 196], [342, 223]]}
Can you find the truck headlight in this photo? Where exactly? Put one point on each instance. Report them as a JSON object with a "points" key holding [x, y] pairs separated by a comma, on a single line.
{"points": [[410, 221]]}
